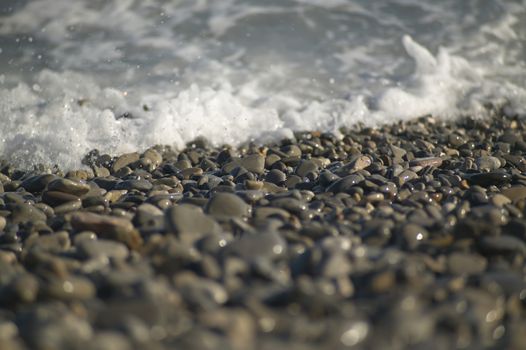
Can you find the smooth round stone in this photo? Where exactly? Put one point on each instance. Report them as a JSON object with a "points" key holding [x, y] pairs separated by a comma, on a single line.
{"points": [[254, 163], [92, 201], [515, 193], [289, 204], [276, 176], [75, 188], [55, 198], [263, 213], [488, 179], [100, 171], [291, 151], [406, 176], [346, 183], [189, 220], [139, 185], [414, 235], [22, 213], [96, 248], [488, 163], [67, 207], [459, 263], [69, 289], [37, 183], [500, 200], [252, 185], [225, 205], [124, 160], [3, 222], [108, 227], [153, 156]]}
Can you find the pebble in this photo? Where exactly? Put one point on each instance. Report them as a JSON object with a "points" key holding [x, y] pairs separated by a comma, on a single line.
{"points": [[515, 193], [186, 219], [75, 188], [488, 163], [410, 235], [108, 227], [227, 205], [488, 179], [428, 161], [124, 160]]}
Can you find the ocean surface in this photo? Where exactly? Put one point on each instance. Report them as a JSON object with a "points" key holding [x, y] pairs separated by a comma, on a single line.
{"points": [[123, 75]]}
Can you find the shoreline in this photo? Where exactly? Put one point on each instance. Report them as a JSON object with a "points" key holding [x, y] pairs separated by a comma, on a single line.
{"points": [[410, 235]]}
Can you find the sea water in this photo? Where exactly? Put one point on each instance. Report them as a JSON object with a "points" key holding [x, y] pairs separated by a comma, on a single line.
{"points": [[123, 75]]}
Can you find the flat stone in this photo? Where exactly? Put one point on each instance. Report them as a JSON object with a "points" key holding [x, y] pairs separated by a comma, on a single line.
{"points": [[55, 198], [75, 188], [187, 219], [225, 205], [107, 227], [427, 161]]}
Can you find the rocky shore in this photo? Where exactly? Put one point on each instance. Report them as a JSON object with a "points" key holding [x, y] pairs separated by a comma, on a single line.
{"points": [[409, 236]]}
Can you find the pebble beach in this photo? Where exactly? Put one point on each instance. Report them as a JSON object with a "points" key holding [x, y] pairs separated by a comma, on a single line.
{"points": [[404, 236]]}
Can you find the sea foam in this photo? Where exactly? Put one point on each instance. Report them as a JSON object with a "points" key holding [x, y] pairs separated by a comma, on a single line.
{"points": [[121, 76]]}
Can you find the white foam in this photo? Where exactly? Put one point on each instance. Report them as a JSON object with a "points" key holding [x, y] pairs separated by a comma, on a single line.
{"points": [[236, 71]]}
